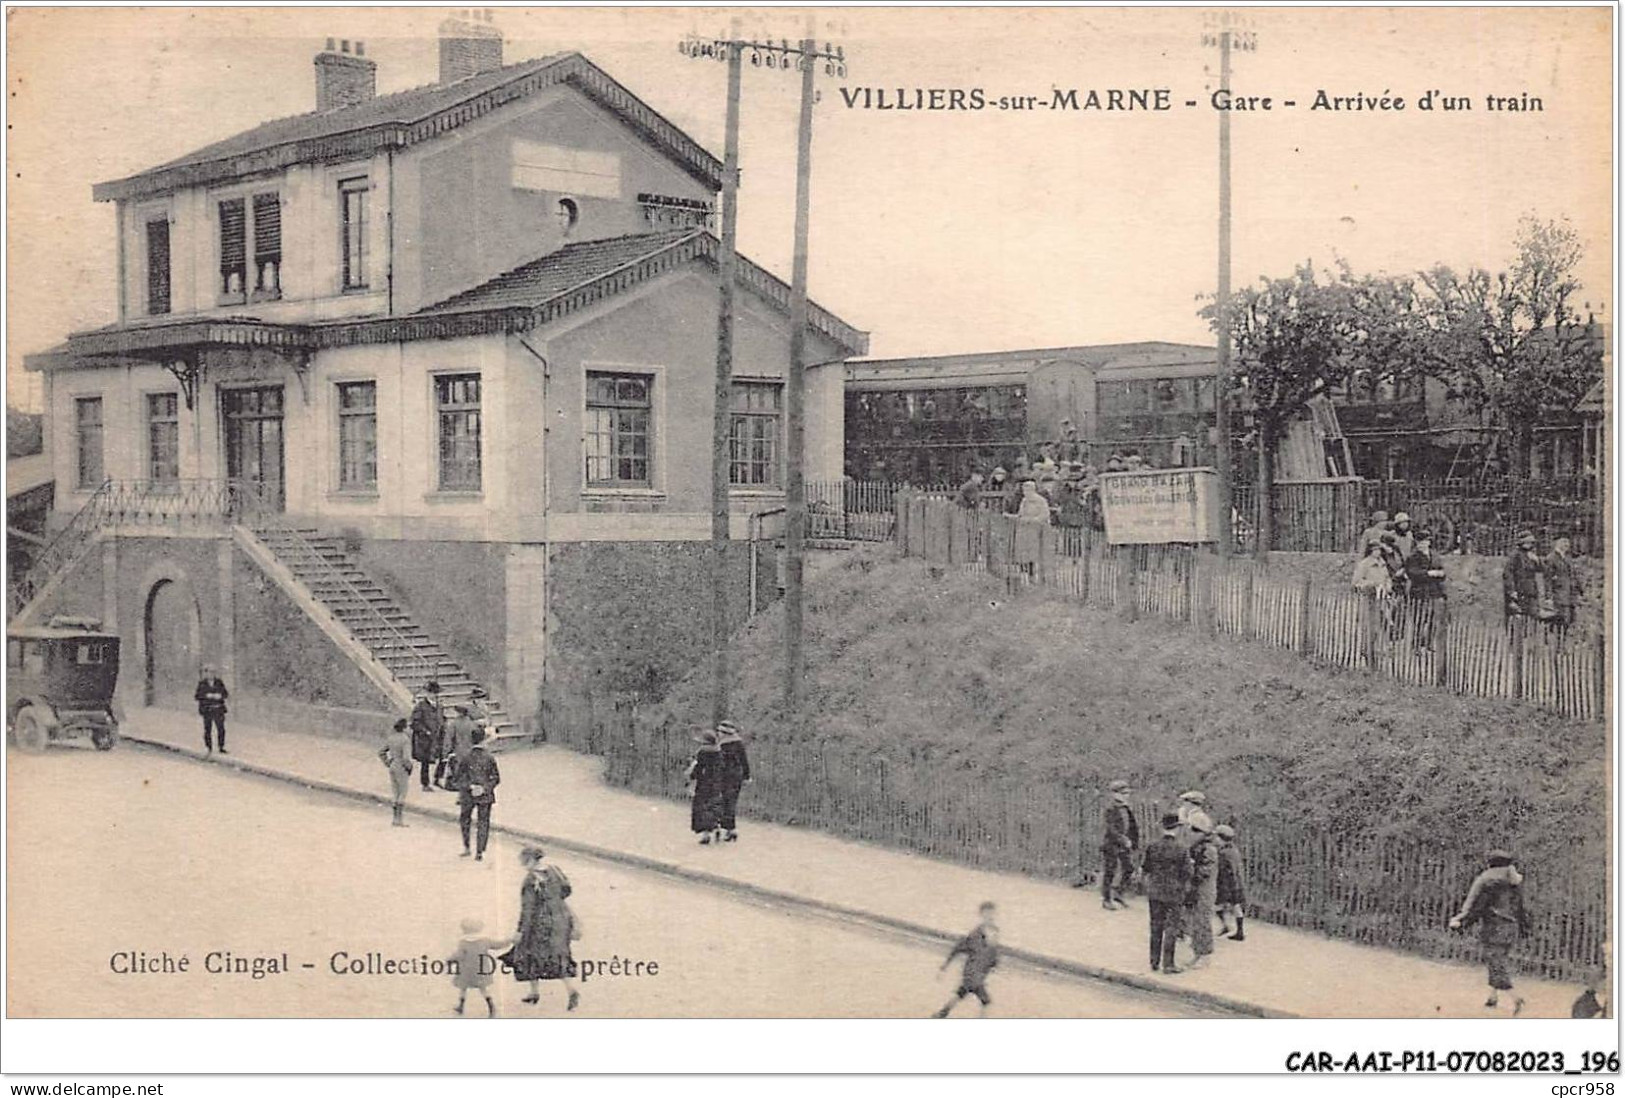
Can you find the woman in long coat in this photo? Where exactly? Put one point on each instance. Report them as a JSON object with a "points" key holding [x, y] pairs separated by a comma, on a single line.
{"points": [[1495, 903], [541, 948], [706, 774], [735, 773]]}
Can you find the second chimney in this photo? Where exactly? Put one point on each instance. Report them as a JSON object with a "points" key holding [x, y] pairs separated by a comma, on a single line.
{"points": [[469, 44], [344, 78]]}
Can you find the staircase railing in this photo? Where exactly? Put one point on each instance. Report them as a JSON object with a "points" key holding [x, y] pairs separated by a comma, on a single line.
{"points": [[330, 572], [171, 503]]}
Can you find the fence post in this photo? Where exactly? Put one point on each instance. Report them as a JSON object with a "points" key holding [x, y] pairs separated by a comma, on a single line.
{"points": [[1306, 643], [1249, 621], [1518, 629], [1441, 642], [1601, 645], [1130, 580]]}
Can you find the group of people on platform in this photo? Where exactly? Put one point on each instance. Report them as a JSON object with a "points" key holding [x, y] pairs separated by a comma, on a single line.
{"points": [[1057, 487], [1192, 874], [452, 757], [719, 770]]}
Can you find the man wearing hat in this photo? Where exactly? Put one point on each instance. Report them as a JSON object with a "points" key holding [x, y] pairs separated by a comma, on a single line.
{"points": [[1404, 539], [477, 778], [1167, 867], [1369, 536], [428, 725], [1190, 802], [1117, 847], [1521, 580]]}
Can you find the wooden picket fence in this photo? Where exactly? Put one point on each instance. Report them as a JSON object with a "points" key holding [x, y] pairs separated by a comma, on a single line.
{"points": [[1387, 892], [1414, 642]]}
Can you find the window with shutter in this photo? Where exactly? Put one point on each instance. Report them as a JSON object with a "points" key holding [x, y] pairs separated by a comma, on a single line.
{"points": [[158, 266], [268, 243], [233, 247]]}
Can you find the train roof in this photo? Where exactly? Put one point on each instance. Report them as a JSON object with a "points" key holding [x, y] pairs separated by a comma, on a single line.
{"points": [[62, 627], [993, 365]]}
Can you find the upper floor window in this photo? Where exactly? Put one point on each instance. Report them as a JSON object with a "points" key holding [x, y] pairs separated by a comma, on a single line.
{"points": [[618, 430], [457, 407], [87, 419], [235, 239], [353, 234], [754, 429], [158, 266], [163, 438], [358, 436], [268, 244], [233, 248]]}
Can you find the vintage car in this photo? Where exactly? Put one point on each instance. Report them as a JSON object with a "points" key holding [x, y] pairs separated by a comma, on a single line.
{"points": [[59, 679]]}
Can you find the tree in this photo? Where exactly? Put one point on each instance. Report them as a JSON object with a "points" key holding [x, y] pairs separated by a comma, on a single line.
{"points": [[1512, 344], [1303, 336]]}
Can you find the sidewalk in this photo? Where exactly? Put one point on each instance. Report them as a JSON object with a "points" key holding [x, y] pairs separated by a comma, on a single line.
{"points": [[557, 796]]}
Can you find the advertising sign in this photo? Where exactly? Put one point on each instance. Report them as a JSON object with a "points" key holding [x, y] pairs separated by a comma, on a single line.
{"points": [[1159, 506]]}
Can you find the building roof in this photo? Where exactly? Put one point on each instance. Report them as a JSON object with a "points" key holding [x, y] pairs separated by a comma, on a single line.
{"points": [[529, 296], [407, 118], [1103, 356], [579, 274], [1594, 401]]}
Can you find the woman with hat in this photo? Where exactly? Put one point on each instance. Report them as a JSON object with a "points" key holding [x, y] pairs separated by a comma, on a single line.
{"points": [[735, 773], [1203, 895], [705, 772], [1495, 903], [541, 947]]}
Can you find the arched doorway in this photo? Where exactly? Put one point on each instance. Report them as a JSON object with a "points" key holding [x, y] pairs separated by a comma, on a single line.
{"points": [[170, 630]]}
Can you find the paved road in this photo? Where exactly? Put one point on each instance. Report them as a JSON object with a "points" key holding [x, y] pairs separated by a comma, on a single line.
{"points": [[149, 854]]}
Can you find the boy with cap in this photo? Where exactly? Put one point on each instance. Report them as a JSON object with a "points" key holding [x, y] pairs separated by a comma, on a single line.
{"points": [[981, 950], [396, 755], [1167, 867], [1232, 889], [1117, 847]]}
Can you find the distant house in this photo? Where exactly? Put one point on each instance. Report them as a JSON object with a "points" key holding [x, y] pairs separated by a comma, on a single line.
{"points": [[472, 326]]}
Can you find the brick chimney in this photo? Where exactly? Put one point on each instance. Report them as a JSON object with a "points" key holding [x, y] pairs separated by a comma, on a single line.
{"points": [[344, 78], [470, 43]]}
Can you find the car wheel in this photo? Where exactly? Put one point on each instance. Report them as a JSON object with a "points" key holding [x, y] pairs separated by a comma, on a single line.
{"points": [[104, 739], [30, 731]]}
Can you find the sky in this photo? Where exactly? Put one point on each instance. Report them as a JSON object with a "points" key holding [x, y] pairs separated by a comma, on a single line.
{"points": [[936, 231]]}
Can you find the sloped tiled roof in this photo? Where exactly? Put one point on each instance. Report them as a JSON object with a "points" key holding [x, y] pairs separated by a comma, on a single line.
{"points": [[545, 278], [406, 118], [580, 274]]}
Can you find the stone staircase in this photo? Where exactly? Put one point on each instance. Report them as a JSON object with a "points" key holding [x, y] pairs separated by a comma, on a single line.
{"points": [[380, 625]]}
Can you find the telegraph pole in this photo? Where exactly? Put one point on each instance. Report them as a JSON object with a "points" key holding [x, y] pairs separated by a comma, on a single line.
{"points": [[795, 411], [782, 56], [1221, 383], [727, 264]]}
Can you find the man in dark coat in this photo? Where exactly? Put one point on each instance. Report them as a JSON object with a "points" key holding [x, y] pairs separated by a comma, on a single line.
{"points": [[211, 698], [1520, 580], [1424, 573], [1495, 903], [1167, 867], [970, 493], [1117, 847], [428, 727], [735, 773], [1564, 583], [477, 780]]}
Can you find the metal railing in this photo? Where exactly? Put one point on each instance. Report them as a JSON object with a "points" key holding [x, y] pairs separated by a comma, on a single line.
{"points": [[172, 504]]}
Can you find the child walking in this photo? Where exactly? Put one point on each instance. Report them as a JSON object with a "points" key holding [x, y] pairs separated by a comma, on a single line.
{"points": [[473, 966], [981, 950], [1232, 891]]}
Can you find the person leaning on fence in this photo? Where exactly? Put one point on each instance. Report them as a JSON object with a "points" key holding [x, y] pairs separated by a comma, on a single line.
{"points": [[1371, 574], [1373, 532], [1231, 892], [1117, 847], [1522, 578], [970, 493], [1167, 869], [1404, 536], [1424, 583], [1495, 904], [1563, 583]]}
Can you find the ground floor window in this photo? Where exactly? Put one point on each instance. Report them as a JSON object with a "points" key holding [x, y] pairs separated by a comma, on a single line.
{"points": [[755, 426], [457, 407], [87, 417], [358, 436], [619, 430], [163, 438]]}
